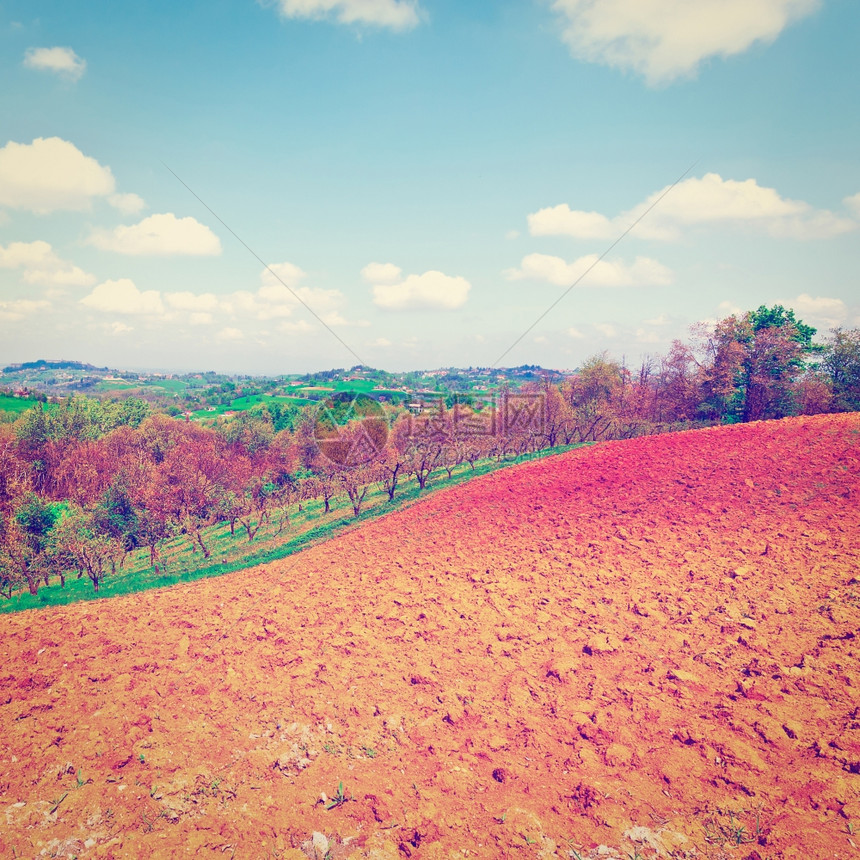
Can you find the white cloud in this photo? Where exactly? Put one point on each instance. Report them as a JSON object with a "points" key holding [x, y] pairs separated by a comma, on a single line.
{"points": [[666, 39], [17, 310], [605, 329], [295, 327], [62, 61], [730, 309], [194, 302], [123, 297], [644, 335], [820, 311], [128, 204], [230, 334], [512, 234], [272, 301], [381, 342], [278, 301], [606, 273], [381, 273], [709, 200], [662, 319], [40, 265], [575, 333], [119, 328], [278, 274], [50, 174], [335, 319], [394, 14], [853, 204], [432, 290], [561, 220], [162, 235]]}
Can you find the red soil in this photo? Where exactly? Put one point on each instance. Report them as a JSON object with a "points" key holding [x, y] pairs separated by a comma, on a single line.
{"points": [[645, 645]]}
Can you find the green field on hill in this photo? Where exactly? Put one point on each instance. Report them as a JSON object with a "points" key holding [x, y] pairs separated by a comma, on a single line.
{"points": [[17, 404]]}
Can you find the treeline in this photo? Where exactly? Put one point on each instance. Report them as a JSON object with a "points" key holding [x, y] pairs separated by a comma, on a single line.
{"points": [[87, 482]]}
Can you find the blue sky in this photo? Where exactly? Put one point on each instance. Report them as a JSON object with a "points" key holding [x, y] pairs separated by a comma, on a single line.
{"points": [[428, 177]]}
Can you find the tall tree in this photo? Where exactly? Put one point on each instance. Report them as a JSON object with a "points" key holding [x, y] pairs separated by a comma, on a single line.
{"points": [[751, 363], [77, 536], [841, 363], [26, 539]]}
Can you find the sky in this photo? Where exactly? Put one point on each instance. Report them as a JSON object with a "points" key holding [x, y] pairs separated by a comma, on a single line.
{"points": [[282, 186]]}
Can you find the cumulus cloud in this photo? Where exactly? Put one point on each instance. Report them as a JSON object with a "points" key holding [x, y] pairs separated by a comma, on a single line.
{"points": [[61, 61], [728, 308], [666, 39], [230, 334], [20, 308], [128, 204], [661, 319], [123, 297], [606, 273], [161, 235], [273, 300], [295, 327], [853, 204], [278, 274], [40, 265], [277, 301], [709, 200], [381, 342], [50, 174], [819, 311], [393, 14], [381, 273], [561, 220], [646, 335], [432, 290], [606, 329], [193, 302]]}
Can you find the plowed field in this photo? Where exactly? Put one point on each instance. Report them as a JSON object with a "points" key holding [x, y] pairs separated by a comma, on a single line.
{"points": [[645, 648]]}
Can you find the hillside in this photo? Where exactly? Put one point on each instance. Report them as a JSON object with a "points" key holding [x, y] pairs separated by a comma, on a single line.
{"points": [[648, 646]]}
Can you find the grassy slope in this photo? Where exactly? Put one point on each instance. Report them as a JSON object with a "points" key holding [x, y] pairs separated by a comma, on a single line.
{"points": [[15, 404]]}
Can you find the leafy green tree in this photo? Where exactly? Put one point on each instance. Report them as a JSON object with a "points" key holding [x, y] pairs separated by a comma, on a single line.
{"points": [[32, 435], [129, 412], [752, 362], [595, 396], [10, 575], [26, 539], [117, 517], [77, 537]]}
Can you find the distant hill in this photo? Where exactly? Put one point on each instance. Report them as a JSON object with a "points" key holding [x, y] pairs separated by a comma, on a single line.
{"points": [[49, 364]]}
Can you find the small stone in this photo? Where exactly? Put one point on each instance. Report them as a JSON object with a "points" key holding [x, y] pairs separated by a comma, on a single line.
{"points": [[601, 643], [319, 842]]}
